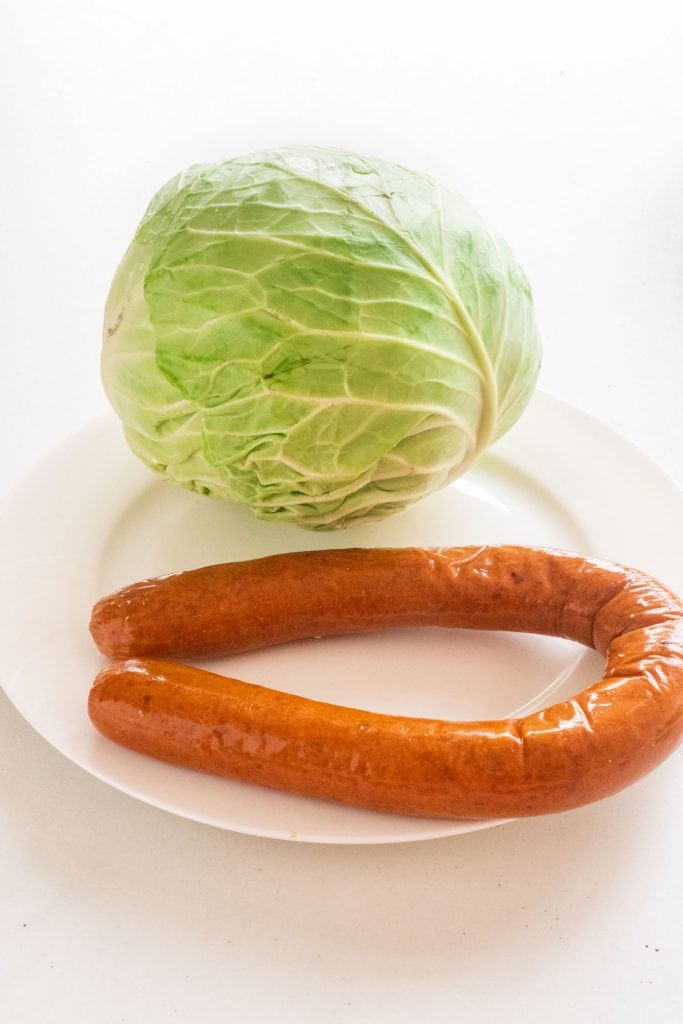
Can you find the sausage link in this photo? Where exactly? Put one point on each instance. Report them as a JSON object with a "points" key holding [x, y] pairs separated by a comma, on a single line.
{"points": [[564, 756]]}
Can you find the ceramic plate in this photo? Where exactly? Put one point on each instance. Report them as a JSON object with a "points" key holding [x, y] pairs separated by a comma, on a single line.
{"points": [[90, 518]]}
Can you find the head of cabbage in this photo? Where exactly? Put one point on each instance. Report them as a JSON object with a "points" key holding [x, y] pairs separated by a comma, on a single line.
{"points": [[322, 336]]}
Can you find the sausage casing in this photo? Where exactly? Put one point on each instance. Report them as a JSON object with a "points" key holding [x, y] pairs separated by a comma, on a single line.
{"points": [[569, 754]]}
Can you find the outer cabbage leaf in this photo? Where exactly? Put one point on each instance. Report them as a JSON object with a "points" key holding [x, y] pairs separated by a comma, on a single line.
{"points": [[322, 336]]}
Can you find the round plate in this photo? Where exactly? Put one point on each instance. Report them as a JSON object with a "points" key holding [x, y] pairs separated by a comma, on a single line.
{"points": [[90, 518]]}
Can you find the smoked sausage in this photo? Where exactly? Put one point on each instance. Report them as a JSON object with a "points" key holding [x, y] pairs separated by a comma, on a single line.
{"points": [[567, 755]]}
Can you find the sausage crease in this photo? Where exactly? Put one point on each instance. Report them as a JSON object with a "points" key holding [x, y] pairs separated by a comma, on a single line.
{"points": [[566, 755]]}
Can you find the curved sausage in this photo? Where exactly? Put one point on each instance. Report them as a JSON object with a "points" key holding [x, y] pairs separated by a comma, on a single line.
{"points": [[572, 753]]}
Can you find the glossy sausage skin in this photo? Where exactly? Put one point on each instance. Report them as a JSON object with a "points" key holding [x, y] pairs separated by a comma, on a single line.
{"points": [[570, 754]]}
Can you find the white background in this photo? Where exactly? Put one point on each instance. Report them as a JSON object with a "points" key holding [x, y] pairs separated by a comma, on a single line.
{"points": [[562, 125]]}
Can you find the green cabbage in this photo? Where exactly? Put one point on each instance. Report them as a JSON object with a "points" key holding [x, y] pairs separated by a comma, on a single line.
{"points": [[322, 336]]}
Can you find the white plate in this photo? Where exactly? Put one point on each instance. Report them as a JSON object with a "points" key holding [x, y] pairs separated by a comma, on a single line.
{"points": [[90, 518]]}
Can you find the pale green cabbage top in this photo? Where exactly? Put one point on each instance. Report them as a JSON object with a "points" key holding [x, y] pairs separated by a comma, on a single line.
{"points": [[320, 335]]}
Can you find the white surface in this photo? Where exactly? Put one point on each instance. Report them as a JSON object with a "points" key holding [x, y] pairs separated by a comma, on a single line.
{"points": [[73, 538], [565, 131]]}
